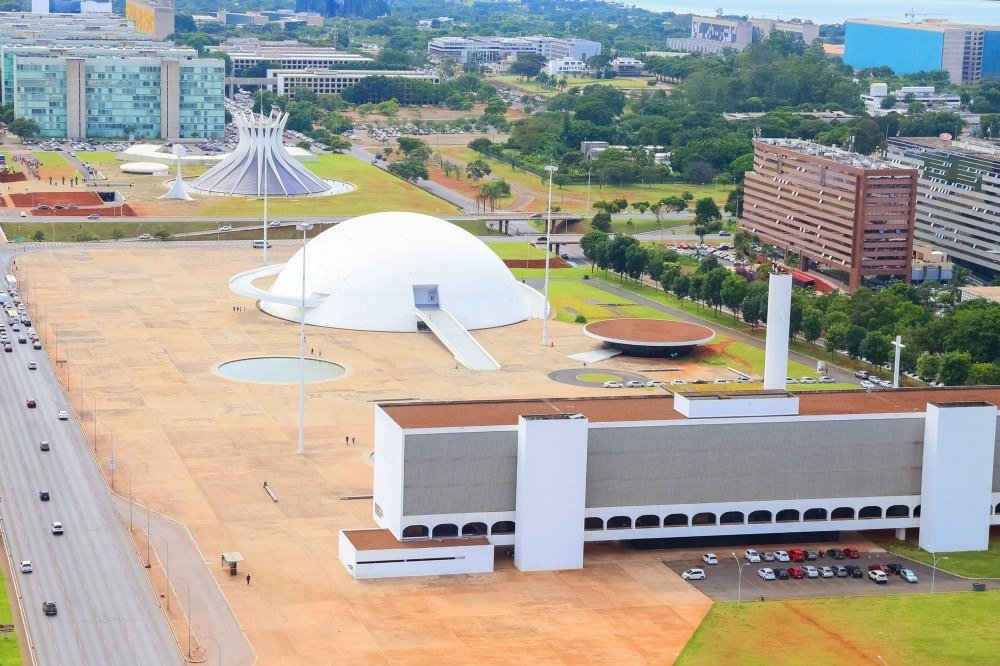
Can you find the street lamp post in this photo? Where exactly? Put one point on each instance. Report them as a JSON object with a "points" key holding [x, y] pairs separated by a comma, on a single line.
{"points": [[189, 609], [217, 645], [304, 227], [934, 568], [739, 583], [166, 559], [548, 242]]}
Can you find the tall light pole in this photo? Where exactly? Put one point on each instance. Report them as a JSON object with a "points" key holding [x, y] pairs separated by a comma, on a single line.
{"points": [[548, 242], [739, 583], [265, 177], [304, 227], [218, 646], [934, 568], [189, 609]]}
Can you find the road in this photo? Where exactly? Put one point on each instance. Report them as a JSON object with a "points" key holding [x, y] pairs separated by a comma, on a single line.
{"points": [[107, 611]]}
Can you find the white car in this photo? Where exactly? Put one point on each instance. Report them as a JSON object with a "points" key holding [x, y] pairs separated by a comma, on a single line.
{"points": [[768, 556], [752, 556], [613, 385], [678, 382], [32, 365], [275, 223], [782, 556], [811, 572], [807, 380], [145, 237], [654, 384], [709, 558], [634, 384], [766, 574], [225, 227], [721, 381], [878, 577], [908, 575], [885, 383], [63, 415], [57, 527], [826, 572], [867, 384], [874, 379], [26, 566], [694, 574], [825, 379], [791, 380]]}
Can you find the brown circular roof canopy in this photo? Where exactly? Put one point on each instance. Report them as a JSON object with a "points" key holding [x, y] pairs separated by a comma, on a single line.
{"points": [[649, 332]]}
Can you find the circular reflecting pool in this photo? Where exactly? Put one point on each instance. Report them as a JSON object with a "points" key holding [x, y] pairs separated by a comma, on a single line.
{"points": [[280, 370]]}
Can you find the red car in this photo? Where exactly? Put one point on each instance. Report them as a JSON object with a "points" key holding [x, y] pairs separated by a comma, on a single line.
{"points": [[796, 572], [852, 553], [797, 555], [879, 567]]}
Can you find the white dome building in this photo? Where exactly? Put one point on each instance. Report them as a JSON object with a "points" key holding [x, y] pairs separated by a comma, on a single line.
{"points": [[374, 272]]}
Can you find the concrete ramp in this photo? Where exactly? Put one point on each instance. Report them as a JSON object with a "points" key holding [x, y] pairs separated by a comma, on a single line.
{"points": [[456, 338]]}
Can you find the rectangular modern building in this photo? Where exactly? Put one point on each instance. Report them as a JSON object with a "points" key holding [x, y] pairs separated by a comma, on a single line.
{"points": [[153, 17], [70, 7], [496, 49], [714, 34], [102, 97], [968, 53], [291, 55], [334, 81], [958, 197], [549, 475], [833, 208]]}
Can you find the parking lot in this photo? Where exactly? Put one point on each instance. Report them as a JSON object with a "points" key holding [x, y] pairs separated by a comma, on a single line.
{"points": [[722, 579]]}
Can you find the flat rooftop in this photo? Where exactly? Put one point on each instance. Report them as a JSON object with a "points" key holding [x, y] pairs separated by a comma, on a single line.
{"points": [[936, 25], [383, 540], [989, 150], [829, 153], [650, 331], [619, 409]]}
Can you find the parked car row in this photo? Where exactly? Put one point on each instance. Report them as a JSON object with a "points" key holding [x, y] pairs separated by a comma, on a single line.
{"points": [[877, 573]]}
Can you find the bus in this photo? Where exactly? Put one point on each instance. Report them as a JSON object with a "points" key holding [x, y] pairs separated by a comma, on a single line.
{"points": [[11, 283]]}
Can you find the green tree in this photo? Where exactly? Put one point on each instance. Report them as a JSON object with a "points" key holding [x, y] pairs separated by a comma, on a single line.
{"points": [[984, 374], [601, 222], [712, 287], [955, 368], [668, 274], [853, 338], [707, 218], [528, 65], [876, 348], [812, 324], [734, 292], [836, 337], [928, 366], [681, 286], [38, 236], [592, 243], [618, 253], [754, 306], [23, 128], [117, 233], [163, 233], [477, 169], [409, 145], [409, 169]]}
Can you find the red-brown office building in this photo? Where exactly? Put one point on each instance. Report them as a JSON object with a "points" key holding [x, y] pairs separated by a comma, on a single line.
{"points": [[831, 207]]}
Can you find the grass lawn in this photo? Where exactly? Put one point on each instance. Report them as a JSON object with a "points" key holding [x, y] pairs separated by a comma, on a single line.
{"points": [[974, 564], [54, 164], [130, 225], [572, 297], [376, 191], [957, 628], [99, 157], [621, 82], [598, 377], [517, 251], [10, 655]]}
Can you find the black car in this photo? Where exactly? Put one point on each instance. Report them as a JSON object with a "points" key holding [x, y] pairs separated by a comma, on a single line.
{"points": [[44, 446], [835, 553], [855, 571], [8, 348], [894, 567], [782, 574], [811, 555], [43, 495], [49, 607], [22, 340]]}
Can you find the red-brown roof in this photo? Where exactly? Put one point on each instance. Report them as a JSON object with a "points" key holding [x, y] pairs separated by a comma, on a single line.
{"points": [[619, 409], [649, 330], [384, 540]]}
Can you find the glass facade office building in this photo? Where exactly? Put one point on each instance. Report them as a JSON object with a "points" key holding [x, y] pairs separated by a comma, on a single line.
{"points": [[102, 97]]}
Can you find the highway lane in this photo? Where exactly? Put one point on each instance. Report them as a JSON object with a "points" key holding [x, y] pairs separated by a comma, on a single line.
{"points": [[107, 611]]}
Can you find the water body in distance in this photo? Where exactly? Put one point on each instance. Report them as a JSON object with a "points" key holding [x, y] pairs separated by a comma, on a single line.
{"points": [[830, 11]]}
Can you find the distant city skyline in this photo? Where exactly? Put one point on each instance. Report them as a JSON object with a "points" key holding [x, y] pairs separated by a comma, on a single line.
{"points": [[957, 11]]}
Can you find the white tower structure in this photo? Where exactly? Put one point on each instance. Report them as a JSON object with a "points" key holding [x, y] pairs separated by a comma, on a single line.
{"points": [[261, 163], [779, 309], [179, 189]]}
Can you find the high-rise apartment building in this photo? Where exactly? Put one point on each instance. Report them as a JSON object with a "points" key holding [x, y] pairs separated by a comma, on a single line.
{"points": [[958, 197], [714, 34], [495, 49], [968, 53], [832, 208]]}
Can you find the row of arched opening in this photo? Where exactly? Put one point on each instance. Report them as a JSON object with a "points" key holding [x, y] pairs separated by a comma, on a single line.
{"points": [[754, 517], [447, 530]]}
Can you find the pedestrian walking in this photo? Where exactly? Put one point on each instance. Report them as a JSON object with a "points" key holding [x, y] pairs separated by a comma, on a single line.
{"points": [[347, 440], [352, 441], [248, 582]]}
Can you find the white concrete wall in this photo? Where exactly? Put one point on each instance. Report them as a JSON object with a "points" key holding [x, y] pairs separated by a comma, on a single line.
{"points": [[388, 485], [957, 484], [551, 492], [695, 406], [408, 562], [779, 306]]}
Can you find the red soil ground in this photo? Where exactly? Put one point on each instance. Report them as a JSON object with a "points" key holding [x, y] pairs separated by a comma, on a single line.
{"points": [[554, 262], [27, 200]]}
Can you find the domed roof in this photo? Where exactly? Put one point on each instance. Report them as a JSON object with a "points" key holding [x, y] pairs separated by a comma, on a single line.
{"points": [[371, 271]]}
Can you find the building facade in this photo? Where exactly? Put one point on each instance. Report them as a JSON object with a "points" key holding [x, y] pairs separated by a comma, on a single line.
{"points": [[832, 208], [967, 52], [335, 81], [291, 55], [626, 66], [926, 95], [753, 465], [496, 49], [70, 7], [565, 67], [958, 202], [151, 17], [713, 34], [102, 97]]}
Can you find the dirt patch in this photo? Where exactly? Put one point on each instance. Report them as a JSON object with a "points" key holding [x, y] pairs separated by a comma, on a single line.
{"points": [[30, 200], [17, 177], [554, 262]]}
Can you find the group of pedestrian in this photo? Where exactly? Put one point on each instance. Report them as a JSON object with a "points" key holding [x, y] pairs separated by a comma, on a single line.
{"points": [[349, 441], [238, 308], [314, 352]]}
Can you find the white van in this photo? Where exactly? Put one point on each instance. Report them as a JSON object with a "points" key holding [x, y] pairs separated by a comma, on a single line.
{"points": [[260, 245]]}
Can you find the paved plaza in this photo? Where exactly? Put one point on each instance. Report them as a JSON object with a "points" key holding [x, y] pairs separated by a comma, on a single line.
{"points": [[143, 329]]}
